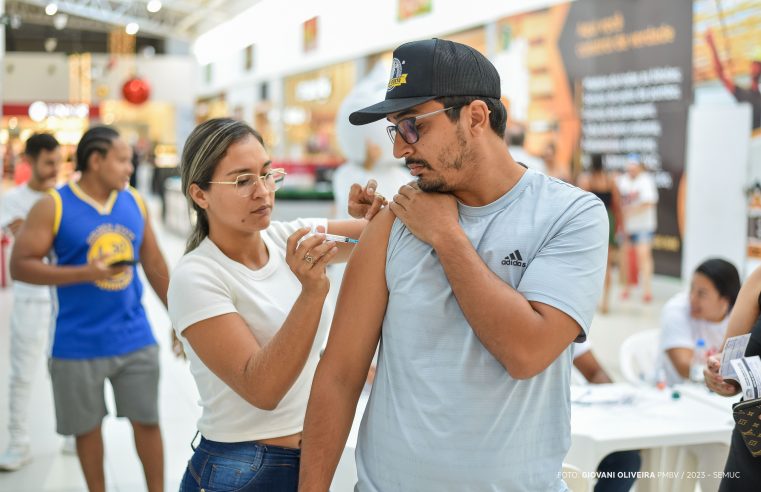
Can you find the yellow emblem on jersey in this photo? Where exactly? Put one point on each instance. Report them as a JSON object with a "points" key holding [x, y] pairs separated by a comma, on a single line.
{"points": [[115, 244]]}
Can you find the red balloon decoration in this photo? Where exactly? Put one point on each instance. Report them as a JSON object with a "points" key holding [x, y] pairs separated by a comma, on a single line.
{"points": [[136, 90]]}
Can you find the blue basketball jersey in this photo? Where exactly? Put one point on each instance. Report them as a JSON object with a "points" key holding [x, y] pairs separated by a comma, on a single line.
{"points": [[104, 318]]}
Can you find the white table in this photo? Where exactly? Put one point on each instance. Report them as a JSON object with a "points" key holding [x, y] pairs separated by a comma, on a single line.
{"points": [[702, 393], [652, 421]]}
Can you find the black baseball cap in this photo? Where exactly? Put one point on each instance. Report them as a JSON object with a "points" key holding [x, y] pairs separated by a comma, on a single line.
{"points": [[425, 70]]}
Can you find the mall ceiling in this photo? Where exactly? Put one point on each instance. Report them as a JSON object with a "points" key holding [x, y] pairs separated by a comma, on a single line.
{"points": [[83, 25]]}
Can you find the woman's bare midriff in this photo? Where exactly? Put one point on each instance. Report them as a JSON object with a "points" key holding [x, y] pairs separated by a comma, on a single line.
{"points": [[292, 441]]}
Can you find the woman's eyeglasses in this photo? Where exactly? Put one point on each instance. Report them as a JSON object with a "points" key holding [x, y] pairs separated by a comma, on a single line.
{"points": [[245, 184], [407, 128]]}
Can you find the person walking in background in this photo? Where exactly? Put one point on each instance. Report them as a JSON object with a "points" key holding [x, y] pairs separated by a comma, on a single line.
{"points": [[639, 200], [98, 229], [31, 312], [599, 182], [742, 469], [248, 303]]}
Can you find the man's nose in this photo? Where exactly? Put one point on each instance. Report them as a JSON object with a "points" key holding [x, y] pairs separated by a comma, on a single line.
{"points": [[401, 147]]}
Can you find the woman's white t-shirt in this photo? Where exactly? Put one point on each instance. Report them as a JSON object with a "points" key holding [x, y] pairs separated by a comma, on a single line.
{"points": [[206, 283]]}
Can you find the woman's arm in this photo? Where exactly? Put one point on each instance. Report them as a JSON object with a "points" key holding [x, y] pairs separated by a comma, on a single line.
{"points": [[348, 228], [591, 369], [262, 374], [364, 204], [681, 358], [745, 311]]}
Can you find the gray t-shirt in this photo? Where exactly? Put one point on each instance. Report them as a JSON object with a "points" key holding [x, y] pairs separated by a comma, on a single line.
{"points": [[444, 414]]}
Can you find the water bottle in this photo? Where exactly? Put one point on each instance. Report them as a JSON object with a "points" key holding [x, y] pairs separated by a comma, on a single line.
{"points": [[699, 359], [660, 378]]}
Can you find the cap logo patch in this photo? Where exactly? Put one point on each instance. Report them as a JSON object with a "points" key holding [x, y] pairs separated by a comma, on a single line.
{"points": [[397, 77]]}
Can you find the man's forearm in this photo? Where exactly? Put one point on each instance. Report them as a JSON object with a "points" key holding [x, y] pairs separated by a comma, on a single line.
{"points": [[496, 312], [332, 405], [36, 272]]}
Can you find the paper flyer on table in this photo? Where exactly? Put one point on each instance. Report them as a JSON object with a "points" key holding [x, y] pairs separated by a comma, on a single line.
{"points": [[748, 371], [733, 349]]}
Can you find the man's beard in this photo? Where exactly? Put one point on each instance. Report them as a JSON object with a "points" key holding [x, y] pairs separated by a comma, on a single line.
{"points": [[452, 157]]}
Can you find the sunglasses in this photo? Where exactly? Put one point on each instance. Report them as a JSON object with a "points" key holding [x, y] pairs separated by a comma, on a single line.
{"points": [[407, 127]]}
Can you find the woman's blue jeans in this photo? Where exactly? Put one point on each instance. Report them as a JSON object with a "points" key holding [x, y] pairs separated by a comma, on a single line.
{"points": [[241, 466]]}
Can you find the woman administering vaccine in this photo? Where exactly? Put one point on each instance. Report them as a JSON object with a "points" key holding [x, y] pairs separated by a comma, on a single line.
{"points": [[247, 302]]}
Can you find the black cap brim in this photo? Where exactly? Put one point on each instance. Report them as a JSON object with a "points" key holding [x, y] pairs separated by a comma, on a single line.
{"points": [[383, 108]]}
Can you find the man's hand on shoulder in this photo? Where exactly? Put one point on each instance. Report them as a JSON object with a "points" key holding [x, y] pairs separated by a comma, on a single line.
{"points": [[431, 217]]}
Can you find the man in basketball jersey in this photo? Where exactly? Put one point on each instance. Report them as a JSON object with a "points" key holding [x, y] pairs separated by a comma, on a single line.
{"points": [[97, 229]]}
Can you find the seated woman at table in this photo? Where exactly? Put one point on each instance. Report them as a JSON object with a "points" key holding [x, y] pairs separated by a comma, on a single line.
{"points": [[701, 313], [627, 462], [742, 470]]}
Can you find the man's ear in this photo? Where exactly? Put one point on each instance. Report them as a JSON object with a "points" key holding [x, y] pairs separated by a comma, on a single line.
{"points": [[479, 117], [198, 196], [95, 161]]}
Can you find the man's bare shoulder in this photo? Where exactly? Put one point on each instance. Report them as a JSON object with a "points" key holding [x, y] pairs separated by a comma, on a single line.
{"points": [[377, 231], [44, 211], [45, 204]]}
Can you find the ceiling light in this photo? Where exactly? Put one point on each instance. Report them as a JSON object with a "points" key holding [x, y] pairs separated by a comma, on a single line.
{"points": [[38, 111], [51, 8], [132, 28], [153, 6], [60, 20], [51, 44]]}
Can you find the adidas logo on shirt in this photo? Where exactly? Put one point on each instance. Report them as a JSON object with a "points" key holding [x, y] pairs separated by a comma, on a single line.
{"points": [[514, 259]]}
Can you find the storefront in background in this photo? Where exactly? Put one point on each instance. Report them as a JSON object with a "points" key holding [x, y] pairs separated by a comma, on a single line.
{"points": [[534, 85], [475, 38], [311, 152], [211, 107], [65, 121]]}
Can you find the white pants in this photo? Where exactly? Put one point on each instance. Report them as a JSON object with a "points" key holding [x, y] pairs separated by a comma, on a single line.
{"points": [[30, 323]]}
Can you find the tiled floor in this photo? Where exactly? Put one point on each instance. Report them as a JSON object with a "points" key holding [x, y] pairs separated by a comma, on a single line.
{"points": [[53, 471]]}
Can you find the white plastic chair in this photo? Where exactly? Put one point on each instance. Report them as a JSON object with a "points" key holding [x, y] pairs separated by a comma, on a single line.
{"points": [[638, 357], [573, 477]]}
